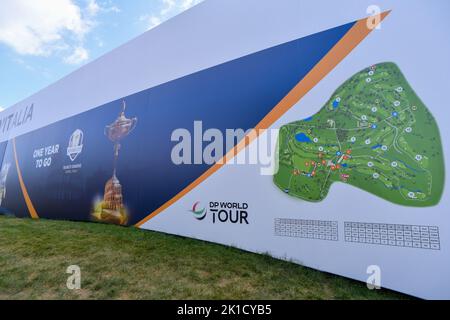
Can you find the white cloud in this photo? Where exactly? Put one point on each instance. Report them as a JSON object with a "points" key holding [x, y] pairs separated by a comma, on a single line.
{"points": [[186, 4], [78, 56], [92, 8], [1, 109], [154, 21], [38, 27], [47, 27], [169, 8], [112, 9]]}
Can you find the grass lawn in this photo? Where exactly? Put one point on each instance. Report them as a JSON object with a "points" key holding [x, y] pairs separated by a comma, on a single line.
{"points": [[127, 263]]}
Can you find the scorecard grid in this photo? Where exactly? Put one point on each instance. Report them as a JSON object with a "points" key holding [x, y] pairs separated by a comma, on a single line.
{"points": [[398, 235], [307, 229]]}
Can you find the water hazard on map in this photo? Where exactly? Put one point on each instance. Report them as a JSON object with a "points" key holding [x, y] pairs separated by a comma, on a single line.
{"points": [[375, 134]]}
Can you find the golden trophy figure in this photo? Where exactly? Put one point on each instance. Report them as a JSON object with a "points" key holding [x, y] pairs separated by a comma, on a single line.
{"points": [[111, 209]]}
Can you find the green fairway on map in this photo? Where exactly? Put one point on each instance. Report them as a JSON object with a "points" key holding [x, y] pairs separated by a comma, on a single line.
{"points": [[375, 134]]}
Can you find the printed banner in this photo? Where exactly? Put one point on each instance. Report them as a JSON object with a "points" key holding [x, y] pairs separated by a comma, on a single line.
{"points": [[324, 146]]}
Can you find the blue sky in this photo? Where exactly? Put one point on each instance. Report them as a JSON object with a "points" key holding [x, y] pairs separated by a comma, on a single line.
{"points": [[43, 40]]}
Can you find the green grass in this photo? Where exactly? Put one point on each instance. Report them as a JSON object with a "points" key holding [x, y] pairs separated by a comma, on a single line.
{"points": [[127, 263]]}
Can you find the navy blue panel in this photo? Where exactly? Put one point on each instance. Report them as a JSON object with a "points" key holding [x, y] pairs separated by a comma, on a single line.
{"points": [[236, 94]]}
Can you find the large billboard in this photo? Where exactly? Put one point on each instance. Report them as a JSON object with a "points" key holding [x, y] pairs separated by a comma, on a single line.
{"points": [[308, 131]]}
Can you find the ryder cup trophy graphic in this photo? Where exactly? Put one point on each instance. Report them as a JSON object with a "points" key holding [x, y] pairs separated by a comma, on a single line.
{"points": [[111, 209]]}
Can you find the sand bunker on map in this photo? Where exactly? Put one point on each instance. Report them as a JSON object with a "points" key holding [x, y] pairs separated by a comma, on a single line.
{"points": [[375, 134]]}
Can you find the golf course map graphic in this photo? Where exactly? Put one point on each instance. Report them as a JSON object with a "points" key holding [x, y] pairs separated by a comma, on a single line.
{"points": [[375, 134]]}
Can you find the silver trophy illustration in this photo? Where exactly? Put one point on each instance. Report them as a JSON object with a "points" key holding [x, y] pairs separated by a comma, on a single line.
{"points": [[111, 209]]}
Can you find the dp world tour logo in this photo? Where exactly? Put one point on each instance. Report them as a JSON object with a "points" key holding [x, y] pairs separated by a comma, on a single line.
{"points": [[198, 212], [222, 212]]}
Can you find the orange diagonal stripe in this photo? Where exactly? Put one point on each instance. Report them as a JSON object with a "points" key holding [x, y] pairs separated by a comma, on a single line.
{"points": [[349, 41], [28, 202]]}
